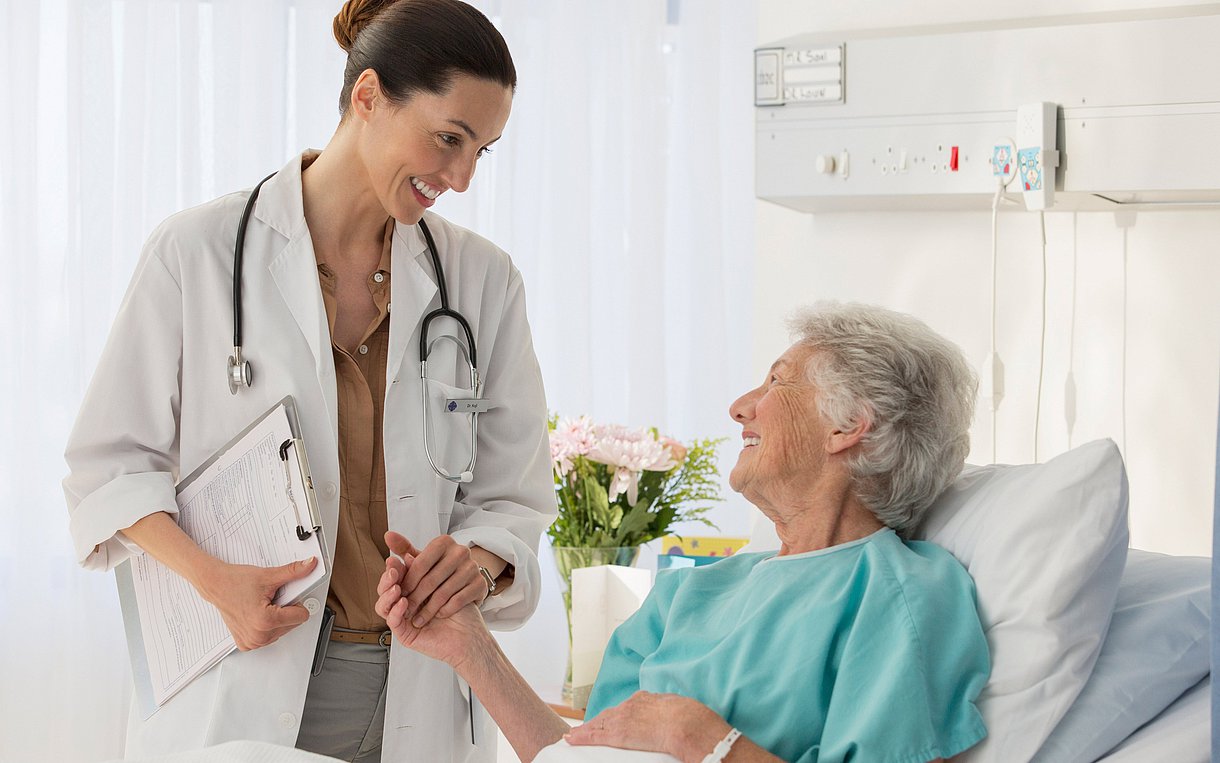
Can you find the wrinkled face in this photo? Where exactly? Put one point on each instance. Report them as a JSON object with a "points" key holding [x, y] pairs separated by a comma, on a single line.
{"points": [[783, 435], [431, 144]]}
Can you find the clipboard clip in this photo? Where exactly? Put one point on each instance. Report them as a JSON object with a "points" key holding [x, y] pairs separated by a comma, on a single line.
{"points": [[302, 532]]}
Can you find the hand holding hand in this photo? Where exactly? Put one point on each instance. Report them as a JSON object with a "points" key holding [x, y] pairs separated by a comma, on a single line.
{"points": [[668, 723], [441, 579], [244, 596], [451, 639]]}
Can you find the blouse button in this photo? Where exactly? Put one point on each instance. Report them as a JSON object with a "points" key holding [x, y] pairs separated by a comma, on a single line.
{"points": [[364, 349], [379, 276]]}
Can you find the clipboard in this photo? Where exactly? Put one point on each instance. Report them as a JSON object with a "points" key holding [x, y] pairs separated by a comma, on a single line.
{"points": [[251, 502]]}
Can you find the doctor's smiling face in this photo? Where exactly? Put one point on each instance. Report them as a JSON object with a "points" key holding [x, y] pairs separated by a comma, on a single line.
{"points": [[418, 149], [783, 433]]}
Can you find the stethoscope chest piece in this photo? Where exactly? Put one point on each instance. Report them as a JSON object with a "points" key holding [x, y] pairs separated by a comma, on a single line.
{"points": [[240, 373]]}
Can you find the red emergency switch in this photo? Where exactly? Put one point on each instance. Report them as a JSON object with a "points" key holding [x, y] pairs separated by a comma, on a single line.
{"points": [[953, 159]]}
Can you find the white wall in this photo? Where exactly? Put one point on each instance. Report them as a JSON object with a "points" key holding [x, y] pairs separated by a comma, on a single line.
{"points": [[1132, 308], [937, 266]]}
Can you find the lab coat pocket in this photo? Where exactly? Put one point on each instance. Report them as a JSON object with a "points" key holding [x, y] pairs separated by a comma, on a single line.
{"points": [[448, 431]]}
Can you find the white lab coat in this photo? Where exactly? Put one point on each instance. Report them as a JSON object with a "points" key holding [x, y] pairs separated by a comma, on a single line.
{"points": [[159, 404]]}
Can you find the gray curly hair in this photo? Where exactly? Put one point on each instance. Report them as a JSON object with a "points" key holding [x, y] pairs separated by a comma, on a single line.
{"points": [[914, 389]]}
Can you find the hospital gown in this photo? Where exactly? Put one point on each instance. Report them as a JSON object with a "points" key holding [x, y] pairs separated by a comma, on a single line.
{"points": [[867, 651]]}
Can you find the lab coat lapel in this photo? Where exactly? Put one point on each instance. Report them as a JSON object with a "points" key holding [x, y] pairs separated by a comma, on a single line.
{"points": [[412, 289], [294, 268], [295, 271]]}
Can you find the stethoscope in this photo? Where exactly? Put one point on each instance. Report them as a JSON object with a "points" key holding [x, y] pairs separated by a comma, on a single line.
{"points": [[241, 374]]}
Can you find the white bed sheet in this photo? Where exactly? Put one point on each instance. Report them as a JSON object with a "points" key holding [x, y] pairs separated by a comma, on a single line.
{"points": [[241, 751], [562, 752], [1181, 733]]}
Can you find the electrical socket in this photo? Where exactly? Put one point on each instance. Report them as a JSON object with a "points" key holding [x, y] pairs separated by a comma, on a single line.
{"points": [[1004, 160]]}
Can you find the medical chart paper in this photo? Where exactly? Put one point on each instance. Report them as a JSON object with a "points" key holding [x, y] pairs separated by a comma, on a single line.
{"points": [[243, 506]]}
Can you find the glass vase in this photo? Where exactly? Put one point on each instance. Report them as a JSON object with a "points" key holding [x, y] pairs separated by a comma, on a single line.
{"points": [[568, 558]]}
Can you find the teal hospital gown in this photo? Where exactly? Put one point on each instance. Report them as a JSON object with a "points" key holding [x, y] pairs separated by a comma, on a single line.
{"points": [[870, 651]]}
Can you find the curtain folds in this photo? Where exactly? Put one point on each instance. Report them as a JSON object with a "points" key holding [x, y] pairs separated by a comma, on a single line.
{"points": [[622, 188]]}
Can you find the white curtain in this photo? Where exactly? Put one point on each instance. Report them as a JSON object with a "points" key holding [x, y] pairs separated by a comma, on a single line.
{"points": [[622, 188]]}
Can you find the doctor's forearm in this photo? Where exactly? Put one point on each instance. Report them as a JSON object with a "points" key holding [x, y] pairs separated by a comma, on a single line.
{"points": [[528, 724], [242, 594], [160, 536]]}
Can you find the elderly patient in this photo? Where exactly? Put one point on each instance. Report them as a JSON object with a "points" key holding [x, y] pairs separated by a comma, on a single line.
{"points": [[850, 643]]}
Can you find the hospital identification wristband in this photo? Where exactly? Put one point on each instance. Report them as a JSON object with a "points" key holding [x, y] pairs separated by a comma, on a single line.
{"points": [[722, 747]]}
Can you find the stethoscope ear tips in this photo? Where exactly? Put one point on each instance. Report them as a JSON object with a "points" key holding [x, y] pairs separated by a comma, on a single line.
{"points": [[466, 477], [240, 373]]}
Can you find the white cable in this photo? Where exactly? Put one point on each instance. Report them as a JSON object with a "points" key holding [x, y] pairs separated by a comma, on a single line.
{"points": [[995, 210], [1041, 339], [1124, 359], [992, 358], [1069, 384]]}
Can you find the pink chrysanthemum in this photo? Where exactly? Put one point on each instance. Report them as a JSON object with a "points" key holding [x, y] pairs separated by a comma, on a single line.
{"points": [[571, 438], [630, 452]]}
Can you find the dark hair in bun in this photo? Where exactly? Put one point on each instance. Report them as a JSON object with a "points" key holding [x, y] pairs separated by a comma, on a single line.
{"points": [[416, 45]]}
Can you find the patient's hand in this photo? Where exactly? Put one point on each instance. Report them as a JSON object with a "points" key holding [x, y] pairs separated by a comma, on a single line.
{"points": [[682, 727], [451, 640]]}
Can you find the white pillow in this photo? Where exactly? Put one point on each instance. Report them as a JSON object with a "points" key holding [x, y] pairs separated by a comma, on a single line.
{"points": [[1045, 544], [1158, 646]]}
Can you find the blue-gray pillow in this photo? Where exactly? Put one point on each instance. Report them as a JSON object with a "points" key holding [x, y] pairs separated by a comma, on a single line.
{"points": [[1156, 648]]}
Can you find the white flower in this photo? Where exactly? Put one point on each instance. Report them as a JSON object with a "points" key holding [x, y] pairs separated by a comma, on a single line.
{"points": [[630, 452]]}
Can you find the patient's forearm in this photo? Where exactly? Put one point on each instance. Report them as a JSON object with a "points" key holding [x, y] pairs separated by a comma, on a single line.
{"points": [[528, 724]]}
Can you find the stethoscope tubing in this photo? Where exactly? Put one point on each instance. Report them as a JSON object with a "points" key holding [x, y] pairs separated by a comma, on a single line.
{"points": [[241, 373], [443, 310], [238, 251]]}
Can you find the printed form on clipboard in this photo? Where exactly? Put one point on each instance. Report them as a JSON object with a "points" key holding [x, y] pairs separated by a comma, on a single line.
{"points": [[251, 503]]}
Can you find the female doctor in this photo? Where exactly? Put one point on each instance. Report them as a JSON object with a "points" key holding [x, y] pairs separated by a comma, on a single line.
{"points": [[337, 276]]}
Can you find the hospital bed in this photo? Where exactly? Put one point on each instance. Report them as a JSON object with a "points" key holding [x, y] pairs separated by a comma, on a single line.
{"points": [[1098, 652]]}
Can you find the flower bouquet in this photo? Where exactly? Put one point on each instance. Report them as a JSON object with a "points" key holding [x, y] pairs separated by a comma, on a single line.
{"points": [[618, 488]]}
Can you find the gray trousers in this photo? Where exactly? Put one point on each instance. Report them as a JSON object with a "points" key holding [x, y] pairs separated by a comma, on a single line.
{"points": [[345, 706]]}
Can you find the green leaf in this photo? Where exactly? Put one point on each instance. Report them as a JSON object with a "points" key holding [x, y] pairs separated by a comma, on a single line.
{"points": [[634, 523]]}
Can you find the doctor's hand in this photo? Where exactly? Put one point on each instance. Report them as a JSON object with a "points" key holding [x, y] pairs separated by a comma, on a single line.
{"points": [[441, 579], [244, 595]]}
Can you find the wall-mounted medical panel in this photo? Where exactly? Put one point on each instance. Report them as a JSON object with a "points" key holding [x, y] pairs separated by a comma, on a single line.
{"points": [[916, 116]]}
